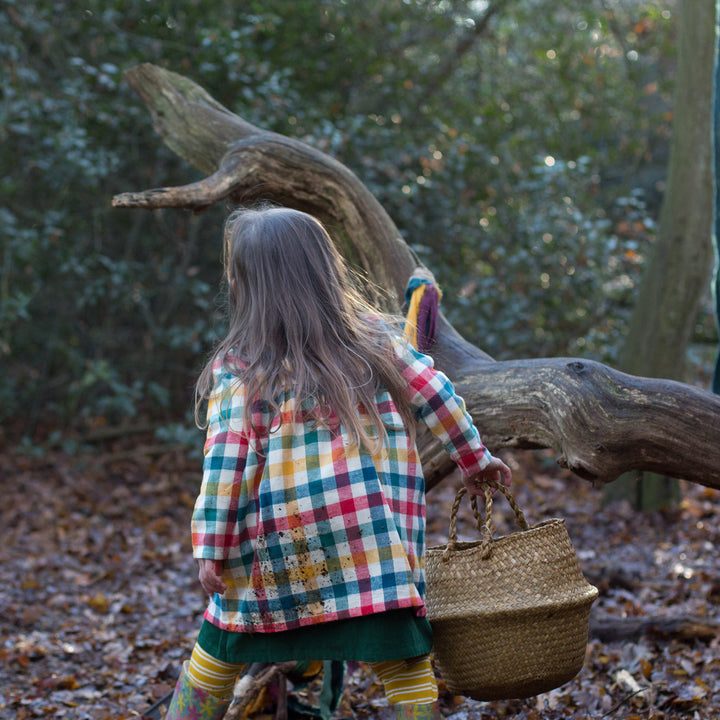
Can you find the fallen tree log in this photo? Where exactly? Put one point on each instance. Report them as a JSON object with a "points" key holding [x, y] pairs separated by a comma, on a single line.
{"points": [[609, 628], [601, 422]]}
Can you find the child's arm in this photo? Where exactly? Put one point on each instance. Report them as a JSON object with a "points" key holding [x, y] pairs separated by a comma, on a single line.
{"points": [[215, 514], [443, 411]]}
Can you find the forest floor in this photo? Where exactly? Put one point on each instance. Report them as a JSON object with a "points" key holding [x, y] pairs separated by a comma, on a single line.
{"points": [[99, 601]]}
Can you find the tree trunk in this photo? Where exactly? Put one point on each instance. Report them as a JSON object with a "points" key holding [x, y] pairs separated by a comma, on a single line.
{"points": [[601, 422], [678, 274], [716, 177], [679, 270]]}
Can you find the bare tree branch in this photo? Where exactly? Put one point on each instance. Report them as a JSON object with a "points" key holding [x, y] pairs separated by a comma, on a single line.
{"points": [[601, 422]]}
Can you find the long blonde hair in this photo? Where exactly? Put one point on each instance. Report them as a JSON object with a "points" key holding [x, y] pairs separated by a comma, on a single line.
{"points": [[297, 321]]}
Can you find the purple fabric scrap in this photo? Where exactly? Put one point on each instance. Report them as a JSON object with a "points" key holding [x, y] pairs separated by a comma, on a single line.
{"points": [[427, 318]]}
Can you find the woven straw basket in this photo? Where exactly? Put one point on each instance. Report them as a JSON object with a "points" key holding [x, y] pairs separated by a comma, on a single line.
{"points": [[509, 615]]}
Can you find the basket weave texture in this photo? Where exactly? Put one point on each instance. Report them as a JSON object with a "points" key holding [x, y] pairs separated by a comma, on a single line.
{"points": [[509, 615]]}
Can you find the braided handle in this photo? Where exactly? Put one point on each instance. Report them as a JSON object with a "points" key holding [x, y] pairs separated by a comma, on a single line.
{"points": [[484, 526]]}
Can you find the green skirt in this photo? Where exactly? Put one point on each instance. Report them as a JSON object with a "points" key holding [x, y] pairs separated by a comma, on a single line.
{"points": [[392, 635]]}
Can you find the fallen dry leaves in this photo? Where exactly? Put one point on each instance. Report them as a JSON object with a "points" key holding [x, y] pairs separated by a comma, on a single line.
{"points": [[99, 602]]}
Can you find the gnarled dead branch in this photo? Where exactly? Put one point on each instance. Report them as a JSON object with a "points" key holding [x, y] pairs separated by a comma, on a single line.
{"points": [[601, 422]]}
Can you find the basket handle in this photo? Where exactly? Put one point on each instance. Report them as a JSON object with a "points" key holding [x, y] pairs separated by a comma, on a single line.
{"points": [[485, 527]]}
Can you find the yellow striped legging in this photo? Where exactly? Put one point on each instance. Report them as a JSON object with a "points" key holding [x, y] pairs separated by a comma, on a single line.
{"points": [[406, 681]]}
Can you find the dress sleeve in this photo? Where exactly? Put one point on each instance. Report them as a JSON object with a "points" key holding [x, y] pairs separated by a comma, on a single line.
{"points": [[226, 449], [433, 396]]}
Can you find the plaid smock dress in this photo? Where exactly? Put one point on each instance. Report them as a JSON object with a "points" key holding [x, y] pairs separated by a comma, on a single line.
{"points": [[312, 528]]}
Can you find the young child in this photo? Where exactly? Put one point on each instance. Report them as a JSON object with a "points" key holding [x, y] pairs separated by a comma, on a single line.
{"points": [[309, 529]]}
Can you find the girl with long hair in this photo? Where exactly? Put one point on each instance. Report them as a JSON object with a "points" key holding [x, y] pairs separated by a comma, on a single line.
{"points": [[309, 528]]}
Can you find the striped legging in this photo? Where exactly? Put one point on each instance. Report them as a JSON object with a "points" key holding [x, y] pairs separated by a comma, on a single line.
{"points": [[409, 681]]}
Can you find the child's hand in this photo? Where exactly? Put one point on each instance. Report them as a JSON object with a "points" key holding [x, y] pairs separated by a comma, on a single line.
{"points": [[210, 572], [496, 470]]}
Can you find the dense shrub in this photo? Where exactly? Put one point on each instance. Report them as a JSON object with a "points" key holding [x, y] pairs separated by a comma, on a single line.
{"points": [[506, 157]]}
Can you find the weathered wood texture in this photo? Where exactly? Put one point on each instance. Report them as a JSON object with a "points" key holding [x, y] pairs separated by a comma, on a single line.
{"points": [[601, 422]]}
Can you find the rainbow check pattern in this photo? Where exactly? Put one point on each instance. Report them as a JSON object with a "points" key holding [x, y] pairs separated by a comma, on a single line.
{"points": [[312, 528]]}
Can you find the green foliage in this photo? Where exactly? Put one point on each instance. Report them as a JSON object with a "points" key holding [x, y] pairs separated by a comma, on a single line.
{"points": [[506, 177], [503, 157], [101, 309]]}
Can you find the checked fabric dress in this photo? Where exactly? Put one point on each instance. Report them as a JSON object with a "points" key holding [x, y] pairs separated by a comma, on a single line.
{"points": [[311, 528]]}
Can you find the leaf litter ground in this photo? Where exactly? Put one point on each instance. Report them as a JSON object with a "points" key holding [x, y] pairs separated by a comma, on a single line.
{"points": [[99, 602]]}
